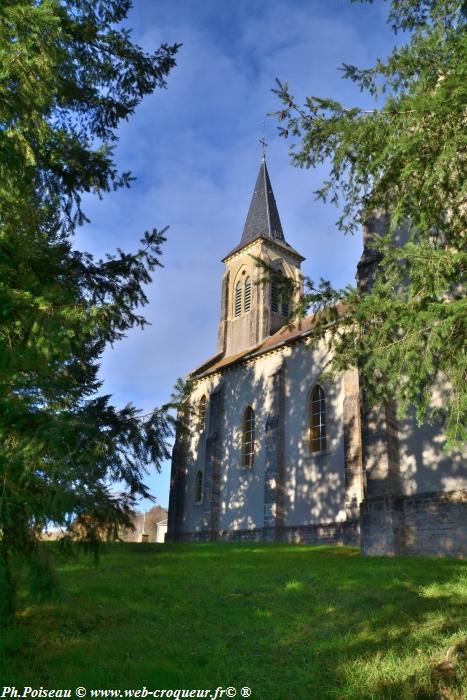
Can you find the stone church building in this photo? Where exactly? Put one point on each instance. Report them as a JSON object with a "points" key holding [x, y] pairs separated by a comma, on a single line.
{"points": [[273, 452]]}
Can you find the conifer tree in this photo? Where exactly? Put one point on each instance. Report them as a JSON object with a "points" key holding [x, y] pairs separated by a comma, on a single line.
{"points": [[69, 73], [403, 162]]}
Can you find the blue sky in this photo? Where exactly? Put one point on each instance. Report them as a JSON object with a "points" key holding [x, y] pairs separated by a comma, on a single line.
{"points": [[194, 149]]}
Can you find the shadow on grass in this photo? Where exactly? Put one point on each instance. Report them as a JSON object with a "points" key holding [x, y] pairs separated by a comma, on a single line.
{"points": [[287, 621]]}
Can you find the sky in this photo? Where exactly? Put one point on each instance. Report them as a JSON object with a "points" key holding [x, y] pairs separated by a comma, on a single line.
{"points": [[194, 149]]}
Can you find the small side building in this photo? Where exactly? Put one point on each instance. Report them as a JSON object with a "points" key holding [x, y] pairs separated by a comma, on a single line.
{"points": [[150, 526], [161, 530]]}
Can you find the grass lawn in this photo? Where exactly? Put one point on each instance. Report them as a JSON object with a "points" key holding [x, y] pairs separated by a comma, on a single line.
{"points": [[288, 621]]}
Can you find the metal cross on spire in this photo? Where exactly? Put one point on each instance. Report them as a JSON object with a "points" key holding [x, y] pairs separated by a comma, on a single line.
{"points": [[264, 145]]}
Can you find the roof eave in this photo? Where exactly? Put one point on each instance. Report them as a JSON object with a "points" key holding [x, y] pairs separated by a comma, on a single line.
{"points": [[281, 244], [263, 348]]}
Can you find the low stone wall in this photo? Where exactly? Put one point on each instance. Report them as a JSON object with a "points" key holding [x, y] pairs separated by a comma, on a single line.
{"points": [[333, 533], [430, 524], [433, 524]]}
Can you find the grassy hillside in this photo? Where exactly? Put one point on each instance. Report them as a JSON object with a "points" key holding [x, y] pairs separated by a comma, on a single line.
{"points": [[287, 621]]}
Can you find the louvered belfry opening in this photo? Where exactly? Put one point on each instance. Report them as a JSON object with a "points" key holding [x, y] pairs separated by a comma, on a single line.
{"points": [[274, 296], [247, 301], [238, 299], [279, 303]]}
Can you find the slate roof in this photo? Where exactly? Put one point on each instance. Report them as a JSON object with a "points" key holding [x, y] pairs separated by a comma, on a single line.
{"points": [[263, 219]]}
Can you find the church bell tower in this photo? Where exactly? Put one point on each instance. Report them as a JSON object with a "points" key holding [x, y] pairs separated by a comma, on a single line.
{"points": [[252, 309]]}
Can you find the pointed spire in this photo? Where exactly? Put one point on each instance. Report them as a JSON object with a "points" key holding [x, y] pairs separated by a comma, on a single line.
{"points": [[263, 217]]}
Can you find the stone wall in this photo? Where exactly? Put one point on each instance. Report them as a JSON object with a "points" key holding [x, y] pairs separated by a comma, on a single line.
{"points": [[435, 524], [347, 533], [422, 524]]}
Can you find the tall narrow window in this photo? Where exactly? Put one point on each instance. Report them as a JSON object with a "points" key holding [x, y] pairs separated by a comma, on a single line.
{"points": [[317, 420], [274, 296], [238, 299], [249, 437], [199, 487], [285, 307], [247, 301], [202, 413]]}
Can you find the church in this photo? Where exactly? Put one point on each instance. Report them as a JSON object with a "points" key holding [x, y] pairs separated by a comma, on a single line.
{"points": [[273, 452]]}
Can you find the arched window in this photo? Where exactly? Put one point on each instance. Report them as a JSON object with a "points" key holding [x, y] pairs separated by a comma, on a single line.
{"points": [[202, 413], [317, 420], [238, 298], [249, 437], [199, 487], [247, 298]]}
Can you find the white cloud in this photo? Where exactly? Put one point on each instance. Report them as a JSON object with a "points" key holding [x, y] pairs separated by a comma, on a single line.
{"points": [[195, 151]]}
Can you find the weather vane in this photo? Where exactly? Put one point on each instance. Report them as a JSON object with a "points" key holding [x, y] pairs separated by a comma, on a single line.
{"points": [[264, 145]]}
